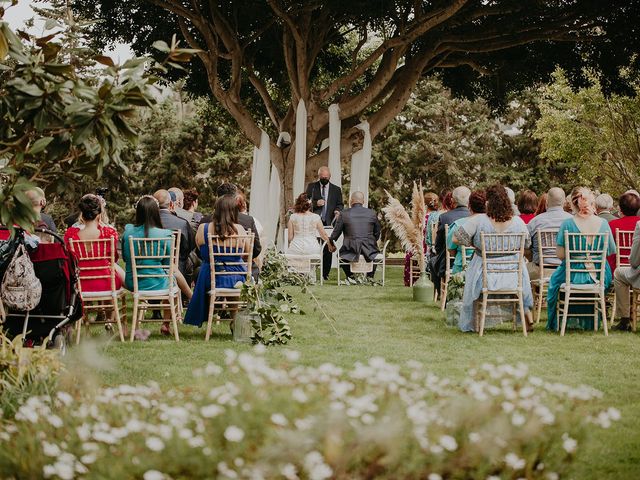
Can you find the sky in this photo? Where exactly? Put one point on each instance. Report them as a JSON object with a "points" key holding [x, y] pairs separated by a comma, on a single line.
{"points": [[18, 14]]}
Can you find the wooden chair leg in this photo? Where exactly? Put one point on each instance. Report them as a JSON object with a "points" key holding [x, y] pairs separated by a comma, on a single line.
{"points": [[134, 318], [212, 300], [540, 301], [613, 307], [603, 305], [79, 329], [523, 319], [116, 315], [173, 306], [565, 313], [443, 294], [483, 313]]}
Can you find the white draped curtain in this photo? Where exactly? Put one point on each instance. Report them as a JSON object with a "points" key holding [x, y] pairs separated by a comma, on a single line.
{"points": [[361, 164], [264, 202], [334, 145], [273, 208], [300, 164]]}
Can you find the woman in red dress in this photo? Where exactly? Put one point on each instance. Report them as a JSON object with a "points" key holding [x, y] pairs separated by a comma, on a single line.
{"points": [[90, 227], [629, 204], [527, 204]]}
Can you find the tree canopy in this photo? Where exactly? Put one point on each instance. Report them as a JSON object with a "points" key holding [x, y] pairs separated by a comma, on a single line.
{"points": [[259, 57]]}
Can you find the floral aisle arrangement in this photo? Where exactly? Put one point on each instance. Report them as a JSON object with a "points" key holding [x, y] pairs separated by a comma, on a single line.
{"points": [[259, 421], [455, 292]]}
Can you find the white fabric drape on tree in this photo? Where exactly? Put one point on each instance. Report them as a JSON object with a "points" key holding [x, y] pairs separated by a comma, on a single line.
{"points": [[361, 164], [334, 144], [301, 150], [273, 209], [258, 206]]}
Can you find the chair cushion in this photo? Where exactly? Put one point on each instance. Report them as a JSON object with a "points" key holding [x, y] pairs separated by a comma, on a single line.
{"points": [[107, 293], [158, 293], [584, 287], [225, 291]]}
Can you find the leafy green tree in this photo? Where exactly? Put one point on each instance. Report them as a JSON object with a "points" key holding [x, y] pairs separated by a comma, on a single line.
{"points": [[258, 58], [594, 136], [440, 139], [63, 121]]}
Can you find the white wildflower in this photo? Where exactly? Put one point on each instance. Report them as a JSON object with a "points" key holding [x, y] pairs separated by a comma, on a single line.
{"points": [[279, 419], [517, 419], [493, 477], [153, 475], [105, 437], [62, 470], [289, 471], [207, 452], [224, 470], [298, 395], [234, 434], [552, 476], [51, 449], [568, 443], [90, 447], [434, 476], [514, 461], [315, 466], [474, 437], [212, 370], [260, 349], [155, 444], [614, 414], [436, 449], [367, 419], [449, 443], [196, 442], [89, 458], [64, 397]]}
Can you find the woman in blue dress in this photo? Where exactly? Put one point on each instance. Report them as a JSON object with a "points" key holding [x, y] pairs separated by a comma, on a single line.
{"points": [[498, 219], [224, 224], [584, 221]]}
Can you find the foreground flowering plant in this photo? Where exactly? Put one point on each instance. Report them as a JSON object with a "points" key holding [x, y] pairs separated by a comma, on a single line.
{"points": [[259, 421]]}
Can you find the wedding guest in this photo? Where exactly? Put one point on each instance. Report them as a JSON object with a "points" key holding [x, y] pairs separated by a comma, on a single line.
{"points": [[584, 221], [498, 219], [361, 230], [191, 206], [434, 215], [91, 227], [38, 202], [224, 223], [566, 206], [527, 204], [624, 279], [512, 199], [542, 204], [177, 197], [171, 221], [148, 225], [460, 197], [629, 205], [549, 220], [477, 205], [604, 205], [326, 201]]}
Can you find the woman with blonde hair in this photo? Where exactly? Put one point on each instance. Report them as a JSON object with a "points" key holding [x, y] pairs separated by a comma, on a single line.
{"points": [[586, 221]]}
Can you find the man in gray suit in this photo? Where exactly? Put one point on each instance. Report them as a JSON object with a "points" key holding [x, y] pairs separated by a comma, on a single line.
{"points": [[361, 230], [171, 221], [623, 279]]}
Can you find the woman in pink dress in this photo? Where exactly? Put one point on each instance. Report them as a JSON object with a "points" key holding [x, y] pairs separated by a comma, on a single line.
{"points": [[90, 227]]}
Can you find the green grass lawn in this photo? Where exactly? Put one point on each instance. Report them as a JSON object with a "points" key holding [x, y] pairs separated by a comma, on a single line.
{"points": [[385, 322]]}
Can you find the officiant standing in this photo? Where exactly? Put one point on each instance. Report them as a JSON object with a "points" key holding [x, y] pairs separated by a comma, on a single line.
{"points": [[326, 201]]}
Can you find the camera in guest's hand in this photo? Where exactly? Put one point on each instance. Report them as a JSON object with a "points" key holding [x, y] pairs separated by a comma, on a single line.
{"points": [[102, 192]]}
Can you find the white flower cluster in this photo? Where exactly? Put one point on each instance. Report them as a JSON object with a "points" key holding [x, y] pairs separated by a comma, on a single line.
{"points": [[308, 422]]}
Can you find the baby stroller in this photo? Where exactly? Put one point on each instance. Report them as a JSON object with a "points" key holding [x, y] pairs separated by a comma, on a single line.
{"points": [[60, 304]]}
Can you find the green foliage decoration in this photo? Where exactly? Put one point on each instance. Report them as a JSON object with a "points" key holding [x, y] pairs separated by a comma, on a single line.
{"points": [[61, 120]]}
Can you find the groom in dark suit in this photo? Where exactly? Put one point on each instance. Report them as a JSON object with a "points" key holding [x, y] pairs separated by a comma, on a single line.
{"points": [[361, 230], [326, 201]]}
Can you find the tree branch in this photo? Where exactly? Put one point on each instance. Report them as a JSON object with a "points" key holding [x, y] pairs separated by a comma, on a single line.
{"points": [[266, 97]]}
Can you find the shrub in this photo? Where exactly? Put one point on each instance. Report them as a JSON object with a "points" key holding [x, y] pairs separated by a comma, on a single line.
{"points": [[292, 421], [24, 372]]}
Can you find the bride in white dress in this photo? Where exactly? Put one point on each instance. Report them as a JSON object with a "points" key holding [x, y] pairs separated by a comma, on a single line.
{"points": [[304, 229]]}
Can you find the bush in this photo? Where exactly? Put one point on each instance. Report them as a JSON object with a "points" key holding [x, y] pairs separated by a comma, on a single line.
{"points": [[375, 421], [24, 372]]}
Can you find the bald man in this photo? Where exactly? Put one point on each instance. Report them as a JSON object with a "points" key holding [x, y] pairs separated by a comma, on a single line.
{"points": [[326, 201], [551, 219], [172, 222], [38, 202], [361, 230]]}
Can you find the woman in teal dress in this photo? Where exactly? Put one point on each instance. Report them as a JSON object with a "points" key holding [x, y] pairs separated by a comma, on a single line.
{"points": [[148, 225], [584, 221], [225, 224], [477, 205]]}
